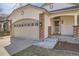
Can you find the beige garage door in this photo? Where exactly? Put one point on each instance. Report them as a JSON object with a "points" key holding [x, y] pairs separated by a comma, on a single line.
{"points": [[26, 28]]}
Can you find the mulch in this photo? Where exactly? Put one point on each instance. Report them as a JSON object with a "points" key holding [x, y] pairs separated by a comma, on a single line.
{"points": [[67, 46]]}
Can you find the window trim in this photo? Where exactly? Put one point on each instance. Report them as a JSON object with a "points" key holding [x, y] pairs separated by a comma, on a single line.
{"points": [[51, 6]]}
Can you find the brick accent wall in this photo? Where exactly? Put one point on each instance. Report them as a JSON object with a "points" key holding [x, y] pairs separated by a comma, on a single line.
{"points": [[41, 26], [67, 46], [76, 31], [49, 31]]}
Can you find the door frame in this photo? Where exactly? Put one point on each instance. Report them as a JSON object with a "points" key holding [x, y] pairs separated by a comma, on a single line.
{"points": [[54, 26]]}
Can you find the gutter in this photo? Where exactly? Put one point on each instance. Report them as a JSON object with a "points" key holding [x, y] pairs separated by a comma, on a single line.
{"points": [[63, 10]]}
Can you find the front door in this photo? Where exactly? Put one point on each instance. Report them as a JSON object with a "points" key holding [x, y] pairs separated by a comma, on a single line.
{"points": [[56, 27]]}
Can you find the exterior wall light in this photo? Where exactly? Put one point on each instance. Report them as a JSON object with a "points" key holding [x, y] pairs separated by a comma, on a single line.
{"points": [[40, 24]]}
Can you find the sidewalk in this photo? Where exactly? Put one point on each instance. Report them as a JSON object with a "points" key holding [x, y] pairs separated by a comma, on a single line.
{"points": [[4, 41]]}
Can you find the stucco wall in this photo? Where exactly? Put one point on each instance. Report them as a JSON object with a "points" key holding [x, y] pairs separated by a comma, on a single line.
{"points": [[29, 12], [67, 25]]}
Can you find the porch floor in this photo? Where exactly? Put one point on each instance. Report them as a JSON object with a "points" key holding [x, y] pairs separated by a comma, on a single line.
{"points": [[66, 38]]}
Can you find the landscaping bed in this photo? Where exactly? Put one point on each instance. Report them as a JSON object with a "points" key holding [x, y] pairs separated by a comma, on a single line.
{"points": [[38, 51], [4, 33], [67, 46]]}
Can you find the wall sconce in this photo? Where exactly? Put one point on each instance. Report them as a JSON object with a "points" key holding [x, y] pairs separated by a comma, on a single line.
{"points": [[40, 24]]}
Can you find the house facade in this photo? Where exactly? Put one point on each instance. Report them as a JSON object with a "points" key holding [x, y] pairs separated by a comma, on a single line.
{"points": [[4, 23], [36, 23]]}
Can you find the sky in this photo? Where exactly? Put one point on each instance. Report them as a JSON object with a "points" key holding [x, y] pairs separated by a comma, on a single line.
{"points": [[7, 8]]}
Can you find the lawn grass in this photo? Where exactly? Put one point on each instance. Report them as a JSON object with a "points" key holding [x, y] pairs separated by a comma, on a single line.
{"points": [[33, 50], [38, 51]]}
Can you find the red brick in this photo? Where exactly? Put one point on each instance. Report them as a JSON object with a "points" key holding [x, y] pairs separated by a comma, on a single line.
{"points": [[49, 31], [41, 27], [76, 31]]}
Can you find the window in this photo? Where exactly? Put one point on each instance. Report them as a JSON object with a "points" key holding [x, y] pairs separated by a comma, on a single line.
{"points": [[56, 17], [51, 6], [22, 25], [28, 24], [36, 24], [56, 23], [19, 25], [25, 24], [14, 25], [32, 24]]}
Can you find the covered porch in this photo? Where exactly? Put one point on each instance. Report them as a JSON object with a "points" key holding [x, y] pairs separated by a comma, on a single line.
{"points": [[62, 25], [67, 24]]}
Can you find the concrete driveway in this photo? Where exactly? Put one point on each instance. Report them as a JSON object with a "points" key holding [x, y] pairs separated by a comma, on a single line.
{"points": [[18, 44], [4, 41], [10, 46]]}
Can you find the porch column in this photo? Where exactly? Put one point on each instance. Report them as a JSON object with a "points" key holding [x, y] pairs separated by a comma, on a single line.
{"points": [[41, 26], [75, 20], [76, 26]]}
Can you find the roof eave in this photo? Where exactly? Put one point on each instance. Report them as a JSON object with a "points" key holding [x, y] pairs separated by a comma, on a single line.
{"points": [[63, 10]]}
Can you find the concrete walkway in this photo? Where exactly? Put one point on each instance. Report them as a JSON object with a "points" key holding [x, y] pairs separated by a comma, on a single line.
{"points": [[47, 43], [65, 38], [4, 41]]}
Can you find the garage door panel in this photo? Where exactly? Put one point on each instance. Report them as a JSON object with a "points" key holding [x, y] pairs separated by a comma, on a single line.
{"points": [[31, 32]]}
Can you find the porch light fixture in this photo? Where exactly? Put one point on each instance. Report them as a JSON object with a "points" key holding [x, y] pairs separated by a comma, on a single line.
{"points": [[40, 24]]}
